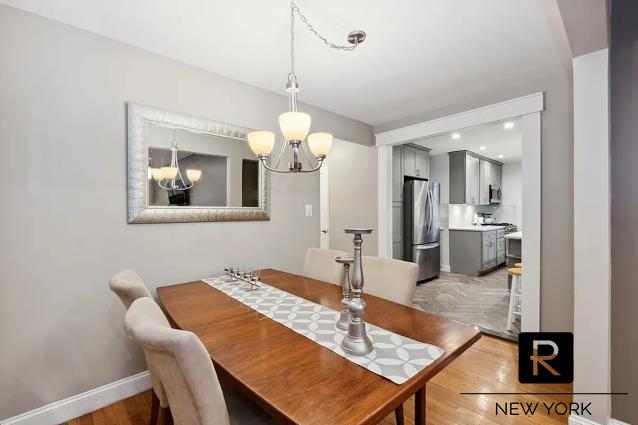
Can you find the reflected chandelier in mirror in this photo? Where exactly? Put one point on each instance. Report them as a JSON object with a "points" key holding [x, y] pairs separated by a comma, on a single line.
{"points": [[188, 169]]}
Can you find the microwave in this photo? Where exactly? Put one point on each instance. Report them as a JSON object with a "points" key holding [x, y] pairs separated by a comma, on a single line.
{"points": [[495, 194]]}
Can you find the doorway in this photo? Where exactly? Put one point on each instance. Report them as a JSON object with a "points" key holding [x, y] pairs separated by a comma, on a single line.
{"points": [[528, 110]]}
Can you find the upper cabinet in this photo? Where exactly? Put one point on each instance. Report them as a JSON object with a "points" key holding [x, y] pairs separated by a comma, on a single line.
{"points": [[416, 162], [471, 176], [397, 174]]}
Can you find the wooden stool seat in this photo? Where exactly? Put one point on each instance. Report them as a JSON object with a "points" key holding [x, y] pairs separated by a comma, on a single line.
{"points": [[519, 265], [516, 271]]}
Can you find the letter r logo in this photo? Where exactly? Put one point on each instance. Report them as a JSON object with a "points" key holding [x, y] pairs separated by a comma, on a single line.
{"points": [[536, 359], [546, 357]]}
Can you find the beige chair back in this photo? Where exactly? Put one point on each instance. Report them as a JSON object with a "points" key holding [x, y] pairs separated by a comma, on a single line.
{"points": [[182, 363], [129, 286], [320, 264], [393, 280]]}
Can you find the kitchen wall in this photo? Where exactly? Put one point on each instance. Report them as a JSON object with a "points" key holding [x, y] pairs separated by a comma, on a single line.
{"points": [[510, 210], [64, 231], [352, 172], [623, 69], [557, 247]]}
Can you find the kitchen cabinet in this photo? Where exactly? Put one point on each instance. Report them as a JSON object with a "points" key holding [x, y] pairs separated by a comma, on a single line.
{"points": [[475, 252], [397, 173], [471, 176], [416, 162]]}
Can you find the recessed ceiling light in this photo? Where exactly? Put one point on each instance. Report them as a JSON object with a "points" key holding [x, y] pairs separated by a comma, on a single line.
{"points": [[501, 156], [456, 136], [482, 148], [508, 125]]}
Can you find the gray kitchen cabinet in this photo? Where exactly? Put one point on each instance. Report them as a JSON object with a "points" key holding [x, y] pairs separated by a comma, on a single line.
{"points": [[475, 252], [416, 161], [471, 176], [397, 222], [397, 250], [397, 173]]}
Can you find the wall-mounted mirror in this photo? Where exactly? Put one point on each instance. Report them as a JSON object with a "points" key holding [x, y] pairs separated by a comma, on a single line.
{"points": [[186, 169]]}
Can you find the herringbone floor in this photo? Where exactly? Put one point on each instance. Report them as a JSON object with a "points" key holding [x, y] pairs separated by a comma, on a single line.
{"points": [[476, 300]]}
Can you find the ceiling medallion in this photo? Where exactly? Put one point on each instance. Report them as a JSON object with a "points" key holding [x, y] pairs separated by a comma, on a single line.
{"points": [[295, 125]]}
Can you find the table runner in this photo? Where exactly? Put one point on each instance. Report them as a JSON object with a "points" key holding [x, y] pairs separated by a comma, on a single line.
{"points": [[394, 357]]}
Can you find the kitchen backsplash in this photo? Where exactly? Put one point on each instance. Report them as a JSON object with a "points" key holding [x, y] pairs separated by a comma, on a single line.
{"points": [[462, 215]]}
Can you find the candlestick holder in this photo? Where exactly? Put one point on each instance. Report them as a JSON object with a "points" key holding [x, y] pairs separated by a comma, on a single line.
{"points": [[344, 316], [357, 342], [248, 277]]}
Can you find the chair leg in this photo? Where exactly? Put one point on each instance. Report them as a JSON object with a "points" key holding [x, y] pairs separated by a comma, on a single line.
{"points": [[398, 414], [155, 405], [167, 416]]}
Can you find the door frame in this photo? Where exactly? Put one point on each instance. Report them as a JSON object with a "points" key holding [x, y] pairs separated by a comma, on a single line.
{"points": [[528, 109], [324, 207]]}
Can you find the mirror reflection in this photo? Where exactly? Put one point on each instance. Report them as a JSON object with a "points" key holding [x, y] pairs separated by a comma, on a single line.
{"points": [[188, 168]]}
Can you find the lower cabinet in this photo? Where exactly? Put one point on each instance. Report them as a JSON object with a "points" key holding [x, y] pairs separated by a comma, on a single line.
{"points": [[397, 250], [475, 252]]}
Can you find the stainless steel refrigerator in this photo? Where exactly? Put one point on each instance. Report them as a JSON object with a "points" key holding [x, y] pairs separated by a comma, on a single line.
{"points": [[421, 224]]}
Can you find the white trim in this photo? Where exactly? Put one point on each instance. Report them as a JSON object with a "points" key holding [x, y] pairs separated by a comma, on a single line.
{"points": [[613, 421], [81, 404], [384, 201], [529, 108], [579, 420], [531, 217], [445, 268], [496, 112]]}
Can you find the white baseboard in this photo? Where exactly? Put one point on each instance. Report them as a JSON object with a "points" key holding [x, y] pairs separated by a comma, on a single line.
{"points": [[445, 267], [613, 421], [579, 420], [78, 405]]}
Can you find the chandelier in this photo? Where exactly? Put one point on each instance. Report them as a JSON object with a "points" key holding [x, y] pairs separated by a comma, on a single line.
{"points": [[170, 178], [295, 125]]}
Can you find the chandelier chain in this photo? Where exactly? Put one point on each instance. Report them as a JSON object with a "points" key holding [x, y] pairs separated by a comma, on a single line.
{"points": [[295, 9]]}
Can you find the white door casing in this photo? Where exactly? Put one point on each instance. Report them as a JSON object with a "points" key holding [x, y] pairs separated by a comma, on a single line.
{"points": [[529, 108], [324, 207]]}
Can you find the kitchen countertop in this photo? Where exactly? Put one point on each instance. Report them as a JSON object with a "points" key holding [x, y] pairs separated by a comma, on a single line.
{"points": [[515, 235], [478, 228]]}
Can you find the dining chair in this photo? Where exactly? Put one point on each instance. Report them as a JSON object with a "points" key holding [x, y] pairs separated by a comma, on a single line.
{"points": [[129, 286], [320, 264], [393, 280], [186, 370]]}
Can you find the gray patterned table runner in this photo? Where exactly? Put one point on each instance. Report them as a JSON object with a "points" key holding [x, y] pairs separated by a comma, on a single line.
{"points": [[395, 357]]}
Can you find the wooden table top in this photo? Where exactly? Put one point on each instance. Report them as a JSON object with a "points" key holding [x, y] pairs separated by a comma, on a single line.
{"points": [[295, 379]]}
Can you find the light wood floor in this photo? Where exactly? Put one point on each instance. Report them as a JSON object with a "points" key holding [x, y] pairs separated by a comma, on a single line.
{"points": [[491, 365]]}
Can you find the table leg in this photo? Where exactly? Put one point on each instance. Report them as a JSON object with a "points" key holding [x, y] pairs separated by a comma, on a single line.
{"points": [[419, 407], [398, 414]]}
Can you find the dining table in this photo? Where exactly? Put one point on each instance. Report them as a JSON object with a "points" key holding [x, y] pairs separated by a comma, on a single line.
{"points": [[294, 379]]}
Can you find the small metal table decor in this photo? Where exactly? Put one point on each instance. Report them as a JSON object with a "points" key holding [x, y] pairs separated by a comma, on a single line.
{"points": [[234, 274], [357, 342], [344, 316]]}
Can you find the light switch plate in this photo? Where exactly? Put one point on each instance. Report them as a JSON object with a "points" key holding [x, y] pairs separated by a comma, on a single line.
{"points": [[308, 210]]}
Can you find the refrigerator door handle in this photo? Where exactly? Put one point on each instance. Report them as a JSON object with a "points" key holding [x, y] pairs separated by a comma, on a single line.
{"points": [[428, 246]]}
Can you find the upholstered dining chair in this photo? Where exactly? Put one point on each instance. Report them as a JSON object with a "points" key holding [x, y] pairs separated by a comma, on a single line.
{"points": [[129, 286], [186, 370], [320, 264], [393, 280]]}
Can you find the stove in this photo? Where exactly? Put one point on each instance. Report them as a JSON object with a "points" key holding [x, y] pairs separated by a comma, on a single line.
{"points": [[509, 227]]}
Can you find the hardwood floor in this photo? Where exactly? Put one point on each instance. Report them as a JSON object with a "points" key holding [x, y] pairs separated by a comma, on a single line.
{"points": [[491, 365]]}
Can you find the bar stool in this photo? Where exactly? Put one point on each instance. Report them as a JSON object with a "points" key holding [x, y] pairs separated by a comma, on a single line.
{"points": [[515, 295], [519, 265]]}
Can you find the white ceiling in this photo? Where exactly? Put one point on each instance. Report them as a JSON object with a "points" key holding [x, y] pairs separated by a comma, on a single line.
{"points": [[496, 139], [420, 54]]}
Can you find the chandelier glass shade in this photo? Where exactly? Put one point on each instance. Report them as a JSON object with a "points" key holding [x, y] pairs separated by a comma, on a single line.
{"points": [[295, 125], [170, 177]]}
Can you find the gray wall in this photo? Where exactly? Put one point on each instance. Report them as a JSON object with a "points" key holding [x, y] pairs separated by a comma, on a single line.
{"points": [[623, 71], [557, 248], [63, 215]]}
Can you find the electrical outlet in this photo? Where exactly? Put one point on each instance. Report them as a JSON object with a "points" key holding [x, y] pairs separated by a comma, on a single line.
{"points": [[308, 210]]}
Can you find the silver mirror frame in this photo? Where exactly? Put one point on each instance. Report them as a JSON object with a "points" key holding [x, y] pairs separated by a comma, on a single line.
{"points": [[138, 209]]}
